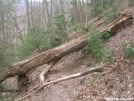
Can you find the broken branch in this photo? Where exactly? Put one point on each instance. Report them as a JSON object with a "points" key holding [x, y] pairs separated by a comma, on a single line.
{"points": [[95, 69], [41, 76]]}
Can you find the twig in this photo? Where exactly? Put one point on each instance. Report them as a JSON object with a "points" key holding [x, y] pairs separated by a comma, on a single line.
{"points": [[80, 58]]}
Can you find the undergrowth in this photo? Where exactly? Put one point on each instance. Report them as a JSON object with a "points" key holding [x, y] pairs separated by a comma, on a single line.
{"points": [[128, 49], [38, 38], [95, 45], [107, 55]]}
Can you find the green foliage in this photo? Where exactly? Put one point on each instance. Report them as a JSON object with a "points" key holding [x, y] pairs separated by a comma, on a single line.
{"points": [[30, 42], [38, 38], [59, 20], [60, 29], [73, 2], [128, 49], [97, 7], [133, 51], [106, 34], [89, 63], [113, 13], [78, 28], [130, 2], [71, 20], [108, 55], [4, 98], [122, 77], [6, 53], [95, 45], [2, 86]]}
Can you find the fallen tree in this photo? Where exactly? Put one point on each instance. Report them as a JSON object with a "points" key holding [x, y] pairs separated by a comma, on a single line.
{"points": [[55, 54], [91, 70]]}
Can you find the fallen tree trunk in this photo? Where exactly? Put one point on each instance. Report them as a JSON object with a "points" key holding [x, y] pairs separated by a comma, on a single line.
{"points": [[57, 53], [91, 70]]}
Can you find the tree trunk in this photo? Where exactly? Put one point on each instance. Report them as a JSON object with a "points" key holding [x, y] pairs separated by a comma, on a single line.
{"points": [[57, 53], [28, 15]]}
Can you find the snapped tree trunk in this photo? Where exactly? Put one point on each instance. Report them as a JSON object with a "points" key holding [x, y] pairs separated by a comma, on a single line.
{"points": [[57, 53]]}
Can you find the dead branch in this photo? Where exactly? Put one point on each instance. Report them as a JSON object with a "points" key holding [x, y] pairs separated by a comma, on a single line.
{"points": [[95, 69], [41, 76]]}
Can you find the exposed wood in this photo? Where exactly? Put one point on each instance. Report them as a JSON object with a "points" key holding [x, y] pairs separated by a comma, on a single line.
{"points": [[42, 74], [95, 69], [57, 53]]}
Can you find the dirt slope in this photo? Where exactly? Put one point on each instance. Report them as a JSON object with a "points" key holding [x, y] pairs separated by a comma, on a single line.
{"points": [[117, 80]]}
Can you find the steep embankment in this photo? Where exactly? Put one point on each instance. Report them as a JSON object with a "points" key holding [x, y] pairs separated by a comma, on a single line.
{"points": [[116, 80]]}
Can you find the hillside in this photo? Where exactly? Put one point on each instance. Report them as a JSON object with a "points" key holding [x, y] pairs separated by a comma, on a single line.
{"points": [[114, 83]]}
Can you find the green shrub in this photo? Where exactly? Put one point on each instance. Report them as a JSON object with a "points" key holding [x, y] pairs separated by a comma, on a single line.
{"points": [[7, 53], [108, 55], [43, 39], [4, 98], [95, 45], [89, 62], [78, 28], [38, 38], [30, 42], [128, 49], [106, 34], [60, 24]]}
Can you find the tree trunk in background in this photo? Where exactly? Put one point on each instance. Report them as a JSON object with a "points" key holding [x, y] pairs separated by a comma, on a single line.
{"points": [[63, 12], [47, 13], [75, 10], [51, 14], [32, 13], [17, 27], [44, 14], [28, 14], [2, 19]]}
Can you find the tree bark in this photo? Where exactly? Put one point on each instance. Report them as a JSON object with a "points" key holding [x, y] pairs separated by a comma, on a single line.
{"points": [[57, 53]]}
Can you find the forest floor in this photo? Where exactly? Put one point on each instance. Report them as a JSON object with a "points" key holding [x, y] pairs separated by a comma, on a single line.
{"points": [[116, 81]]}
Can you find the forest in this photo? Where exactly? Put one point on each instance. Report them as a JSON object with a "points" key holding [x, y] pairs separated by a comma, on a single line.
{"points": [[66, 50]]}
